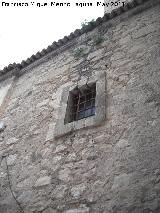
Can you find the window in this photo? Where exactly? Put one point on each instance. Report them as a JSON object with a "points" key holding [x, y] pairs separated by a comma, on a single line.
{"points": [[81, 103], [80, 106]]}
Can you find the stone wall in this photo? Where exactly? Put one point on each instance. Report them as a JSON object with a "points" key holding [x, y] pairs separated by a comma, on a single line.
{"points": [[4, 89], [111, 168], [114, 4]]}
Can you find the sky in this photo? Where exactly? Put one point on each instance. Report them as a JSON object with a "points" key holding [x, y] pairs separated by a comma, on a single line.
{"points": [[27, 30]]}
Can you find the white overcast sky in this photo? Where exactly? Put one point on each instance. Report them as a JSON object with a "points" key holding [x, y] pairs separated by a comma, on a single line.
{"points": [[26, 30]]}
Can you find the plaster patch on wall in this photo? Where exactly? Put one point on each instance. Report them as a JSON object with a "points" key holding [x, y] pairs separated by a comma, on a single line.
{"points": [[4, 88]]}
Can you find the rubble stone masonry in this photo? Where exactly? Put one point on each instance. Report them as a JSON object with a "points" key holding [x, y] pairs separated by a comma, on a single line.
{"points": [[113, 167], [110, 5]]}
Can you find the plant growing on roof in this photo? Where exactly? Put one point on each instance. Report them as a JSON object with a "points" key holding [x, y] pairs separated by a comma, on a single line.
{"points": [[85, 23], [98, 39], [78, 52]]}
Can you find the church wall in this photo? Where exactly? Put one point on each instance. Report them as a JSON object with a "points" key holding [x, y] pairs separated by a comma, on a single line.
{"points": [[110, 5], [110, 168]]}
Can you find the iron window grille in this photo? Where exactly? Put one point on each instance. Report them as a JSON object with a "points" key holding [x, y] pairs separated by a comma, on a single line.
{"points": [[81, 103]]}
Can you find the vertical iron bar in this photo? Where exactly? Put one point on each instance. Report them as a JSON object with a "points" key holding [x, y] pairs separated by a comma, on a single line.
{"points": [[78, 105]]}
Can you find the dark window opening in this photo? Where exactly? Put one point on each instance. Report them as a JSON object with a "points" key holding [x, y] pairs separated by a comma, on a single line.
{"points": [[81, 103]]}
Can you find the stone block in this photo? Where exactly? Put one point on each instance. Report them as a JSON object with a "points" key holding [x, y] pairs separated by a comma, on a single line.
{"points": [[71, 157], [11, 141], [59, 191], [50, 210], [50, 132], [60, 148], [11, 159], [43, 181], [25, 183], [96, 54], [64, 175], [122, 143], [25, 197], [56, 159], [77, 190], [78, 210], [43, 103], [2, 126], [121, 180], [144, 31]]}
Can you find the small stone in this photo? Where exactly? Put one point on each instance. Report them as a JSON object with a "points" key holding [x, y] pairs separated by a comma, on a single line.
{"points": [[56, 159], [99, 138], [59, 191], [157, 172], [50, 210], [77, 190], [35, 156], [125, 40], [11, 159], [25, 183], [43, 103], [50, 133], [64, 174], [78, 210], [2, 126], [42, 181], [96, 54], [71, 157], [26, 196], [121, 180], [122, 143], [11, 141], [60, 148], [54, 96]]}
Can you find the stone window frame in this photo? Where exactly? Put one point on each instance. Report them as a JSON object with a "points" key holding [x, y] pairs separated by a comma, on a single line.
{"points": [[100, 104]]}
